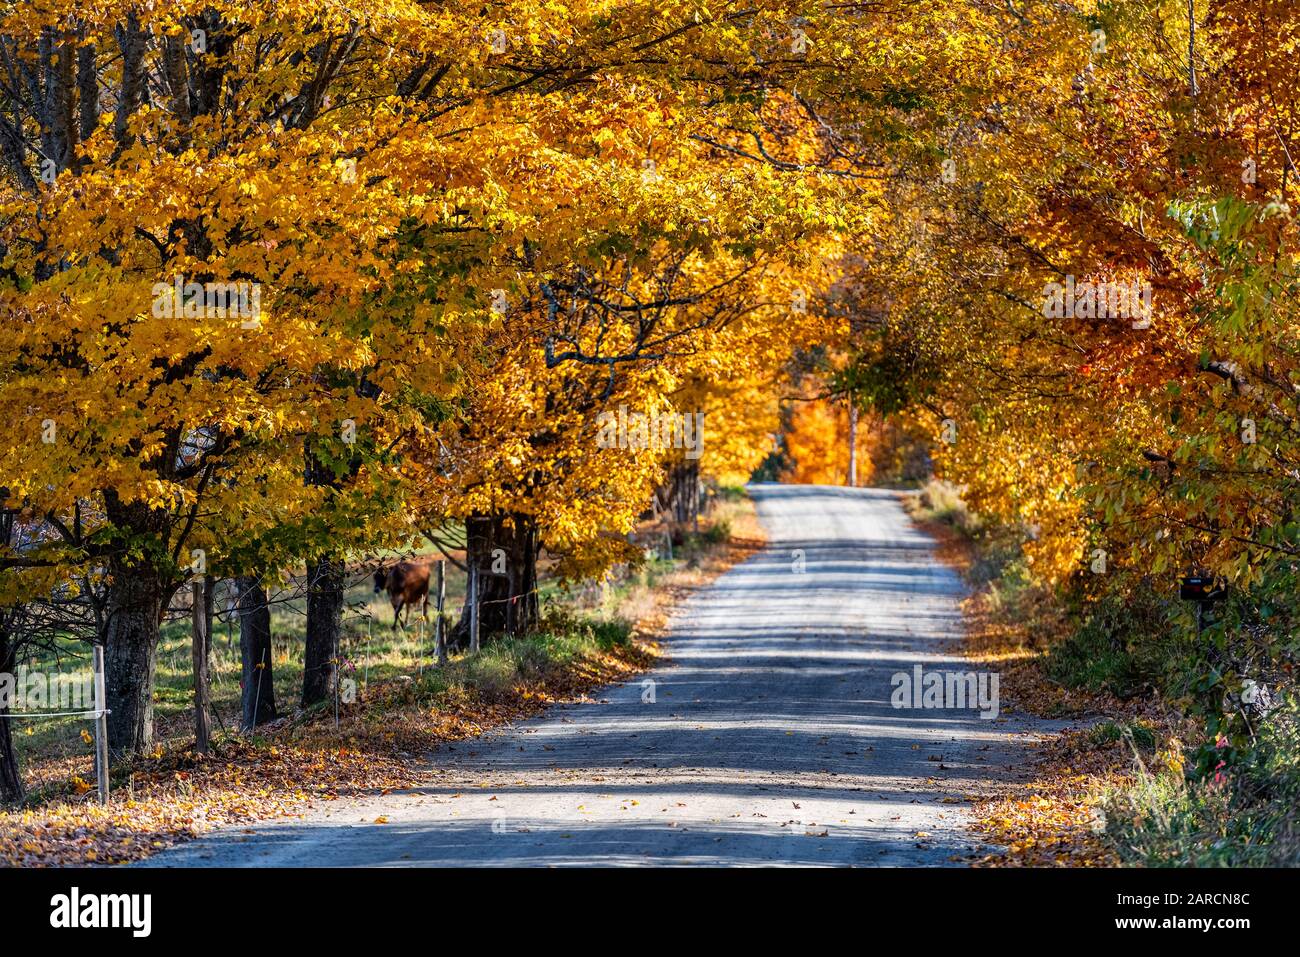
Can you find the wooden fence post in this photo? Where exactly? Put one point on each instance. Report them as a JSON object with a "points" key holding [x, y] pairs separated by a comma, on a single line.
{"points": [[473, 609]]}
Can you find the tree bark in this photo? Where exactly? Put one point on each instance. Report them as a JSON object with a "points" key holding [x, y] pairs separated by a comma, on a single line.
{"points": [[136, 598], [178, 80], [61, 129], [133, 42], [504, 550], [325, 580], [87, 90], [255, 649], [853, 443], [207, 75], [684, 494], [11, 781]]}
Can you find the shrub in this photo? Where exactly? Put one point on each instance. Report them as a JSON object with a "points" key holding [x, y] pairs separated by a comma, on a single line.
{"points": [[940, 501], [1120, 647]]}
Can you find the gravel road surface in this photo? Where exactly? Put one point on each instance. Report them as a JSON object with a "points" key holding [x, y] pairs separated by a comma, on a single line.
{"points": [[768, 739]]}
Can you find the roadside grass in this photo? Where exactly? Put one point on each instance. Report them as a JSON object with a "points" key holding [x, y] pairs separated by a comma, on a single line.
{"points": [[589, 637], [941, 502], [1016, 615], [1121, 647], [1119, 790], [1028, 634], [507, 664], [1141, 734], [1244, 814]]}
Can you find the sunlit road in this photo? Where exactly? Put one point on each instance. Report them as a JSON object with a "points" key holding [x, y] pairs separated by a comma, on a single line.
{"points": [[769, 738]]}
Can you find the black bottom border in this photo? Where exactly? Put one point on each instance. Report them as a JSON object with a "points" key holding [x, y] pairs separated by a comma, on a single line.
{"points": [[339, 908]]}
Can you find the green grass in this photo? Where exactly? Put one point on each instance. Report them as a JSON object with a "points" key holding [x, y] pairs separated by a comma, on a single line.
{"points": [[731, 494], [1124, 645], [1141, 735], [714, 534], [1243, 815], [1095, 659], [505, 662], [369, 646]]}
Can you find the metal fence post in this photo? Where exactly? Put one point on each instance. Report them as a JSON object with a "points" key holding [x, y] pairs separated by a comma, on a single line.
{"points": [[441, 638], [101, 726]]}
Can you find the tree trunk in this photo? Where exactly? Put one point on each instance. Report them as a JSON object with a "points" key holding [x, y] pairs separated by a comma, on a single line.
{"points": [[255, 649], [695, 495], [325, 582], [11, 781], [133, 41], [684, 491], [853, 444], [136, 596], [200, 597], [504, 550]]}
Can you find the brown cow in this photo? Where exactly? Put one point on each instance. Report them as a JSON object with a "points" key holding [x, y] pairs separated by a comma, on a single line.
{"points": [[406, 584]]}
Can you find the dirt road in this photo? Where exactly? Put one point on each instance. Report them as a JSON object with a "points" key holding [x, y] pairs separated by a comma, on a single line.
{"points": [[770, 738]]}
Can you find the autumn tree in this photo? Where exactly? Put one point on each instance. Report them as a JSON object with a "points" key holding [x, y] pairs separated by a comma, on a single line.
{"points": [[180, 268]]}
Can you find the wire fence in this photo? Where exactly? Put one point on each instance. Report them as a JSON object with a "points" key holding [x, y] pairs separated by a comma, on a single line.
{"points": [[432, 638], [98, 715]]}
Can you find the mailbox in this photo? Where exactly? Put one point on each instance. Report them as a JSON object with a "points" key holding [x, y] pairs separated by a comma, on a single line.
{"points": [[1201, 588]]}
